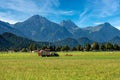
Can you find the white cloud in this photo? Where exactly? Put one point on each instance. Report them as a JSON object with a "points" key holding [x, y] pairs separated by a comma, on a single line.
{"points": [[7, 17], [97, 23], [8, 20], [116, 23], [83, 16], [99, 10], [13, 10], [19, 5], [19, 8], [118, 27], [63, 12], [83, 13], [105, 8]]}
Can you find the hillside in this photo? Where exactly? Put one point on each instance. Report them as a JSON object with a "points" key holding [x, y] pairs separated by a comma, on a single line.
{"points": [[115, 40], [73, 42], [68, 41], [6, 27], [9, 40]]}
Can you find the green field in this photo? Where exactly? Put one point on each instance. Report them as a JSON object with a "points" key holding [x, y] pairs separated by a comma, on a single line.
{"points": [[80, 66]]}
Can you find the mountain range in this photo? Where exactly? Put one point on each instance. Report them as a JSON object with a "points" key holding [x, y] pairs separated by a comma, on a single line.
{"points": [[38, 28], [102, 33]]}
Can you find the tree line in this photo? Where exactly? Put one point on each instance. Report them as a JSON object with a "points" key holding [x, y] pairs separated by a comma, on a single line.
{"points": [[87, 47]]}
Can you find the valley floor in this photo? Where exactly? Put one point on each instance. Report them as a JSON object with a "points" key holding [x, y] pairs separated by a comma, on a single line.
{"points": [[79, 66]]}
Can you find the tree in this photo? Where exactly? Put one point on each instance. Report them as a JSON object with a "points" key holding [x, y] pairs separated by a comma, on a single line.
{"points": [[102, 47], [79, 47], [109, 46], [32, 47], [52, 48], [24, 50], [65, 48], [87, 47], [43, 47], [95, 46], [74, 49], [116, 47], [58, 48]]}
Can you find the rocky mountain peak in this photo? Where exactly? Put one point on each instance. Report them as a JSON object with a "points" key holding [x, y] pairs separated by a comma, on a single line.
{"points": [[68, 23], [107, 24], [37, 18]]}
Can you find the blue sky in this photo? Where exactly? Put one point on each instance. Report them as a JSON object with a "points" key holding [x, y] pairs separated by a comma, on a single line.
{"points": [[83, 12]]}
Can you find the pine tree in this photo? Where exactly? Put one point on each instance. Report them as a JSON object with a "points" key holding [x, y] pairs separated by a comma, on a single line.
{"points": [[116, 47], [32, 47], [65, 48], [58, 48], [74, 49], [24, 50], [79, 47], [95, 46], [43, 47], [109, 46], [102, 47], [87, 47]]}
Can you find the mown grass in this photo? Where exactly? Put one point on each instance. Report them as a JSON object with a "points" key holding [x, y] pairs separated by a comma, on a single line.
{"points": [[80, 66]]}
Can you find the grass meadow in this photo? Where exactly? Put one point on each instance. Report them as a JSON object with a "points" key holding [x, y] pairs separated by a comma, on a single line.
{"points": [[79, 66]]}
